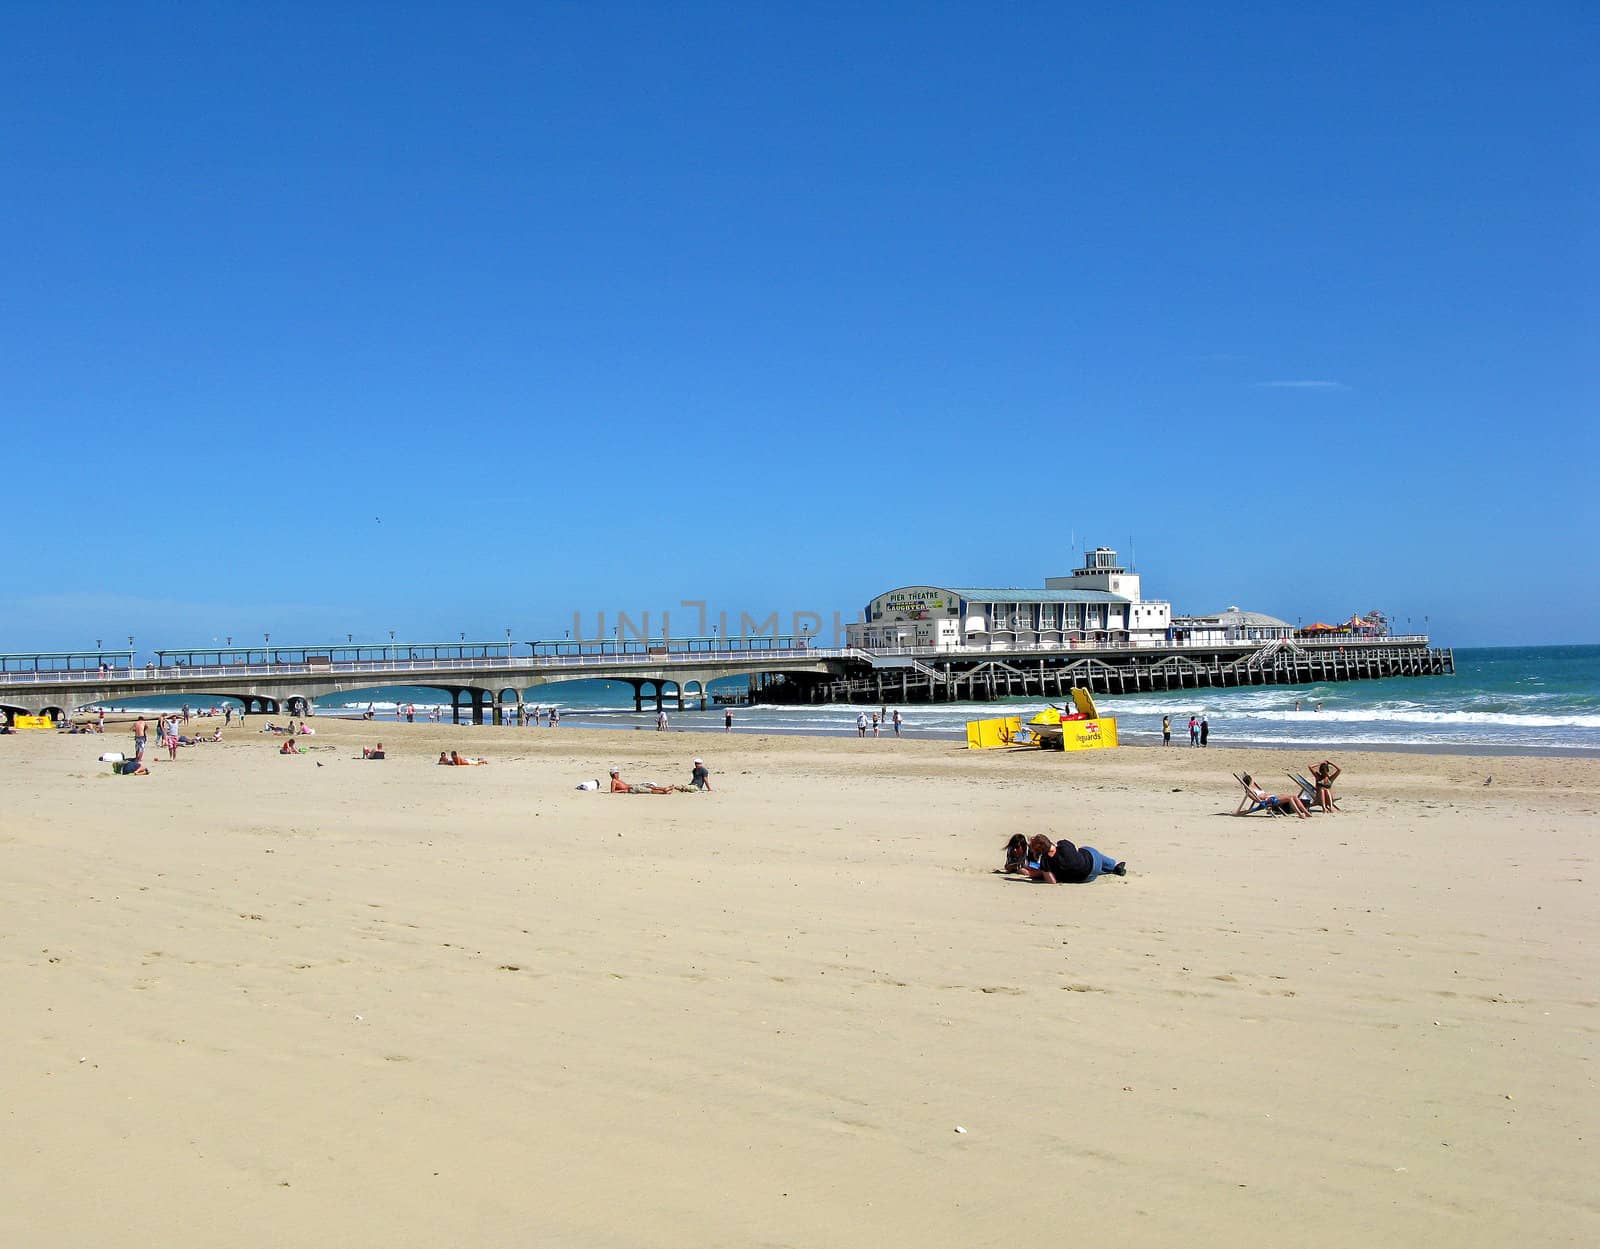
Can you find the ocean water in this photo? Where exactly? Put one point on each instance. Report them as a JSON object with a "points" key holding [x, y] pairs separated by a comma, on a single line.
{"points": [[1544, 698]]}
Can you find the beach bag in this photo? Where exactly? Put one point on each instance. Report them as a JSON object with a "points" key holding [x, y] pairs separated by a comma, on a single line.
{"points": [[590, 785]]}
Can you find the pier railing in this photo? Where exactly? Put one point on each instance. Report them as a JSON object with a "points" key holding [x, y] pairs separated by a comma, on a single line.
{"points": [[420, 667]]}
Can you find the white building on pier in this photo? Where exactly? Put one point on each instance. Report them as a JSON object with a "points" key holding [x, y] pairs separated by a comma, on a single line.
{"points": [[1097, 604]]}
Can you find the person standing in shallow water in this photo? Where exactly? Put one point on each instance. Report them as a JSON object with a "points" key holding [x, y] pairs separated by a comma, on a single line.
{"points": [[1166, 730], [1205, 730]]}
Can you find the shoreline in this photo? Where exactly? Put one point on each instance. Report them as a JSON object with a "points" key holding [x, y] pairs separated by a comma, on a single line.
{"points": [[575, 721]]}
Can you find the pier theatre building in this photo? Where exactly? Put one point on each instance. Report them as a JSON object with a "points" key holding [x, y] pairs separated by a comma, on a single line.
{"points": [[1098, 604]]}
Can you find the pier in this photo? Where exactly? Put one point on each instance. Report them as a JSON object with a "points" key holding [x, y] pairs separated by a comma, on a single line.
{"points": [[486, 681], [980, 676]]}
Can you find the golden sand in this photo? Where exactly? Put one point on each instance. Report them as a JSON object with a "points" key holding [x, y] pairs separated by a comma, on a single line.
{"points": [[254, 1001]]}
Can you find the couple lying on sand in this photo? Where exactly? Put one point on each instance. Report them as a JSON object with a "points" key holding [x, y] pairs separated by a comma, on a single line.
{"points": [[453, 759], [699, 782], [1058, 862]]}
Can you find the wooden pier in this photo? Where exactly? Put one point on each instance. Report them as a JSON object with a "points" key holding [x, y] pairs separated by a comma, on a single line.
{"points": [[984, 676]]}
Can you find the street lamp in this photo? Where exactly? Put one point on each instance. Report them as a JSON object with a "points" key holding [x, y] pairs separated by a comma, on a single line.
{"points": [[389, 655], [508, 642]]}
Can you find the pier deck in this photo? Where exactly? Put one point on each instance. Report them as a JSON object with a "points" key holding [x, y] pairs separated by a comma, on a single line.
{"points": [[978, 676]]}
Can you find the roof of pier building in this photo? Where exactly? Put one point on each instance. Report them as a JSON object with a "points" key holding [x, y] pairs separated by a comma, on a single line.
{"points": [[1234, 618], [1015, 594], [1029, 594]]}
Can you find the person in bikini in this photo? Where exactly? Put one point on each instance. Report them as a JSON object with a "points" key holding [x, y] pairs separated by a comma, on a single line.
{"points": [[1323, 775]]}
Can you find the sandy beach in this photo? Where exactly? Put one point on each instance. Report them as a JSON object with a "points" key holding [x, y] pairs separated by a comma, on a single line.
{"points": [[255, 1001]]}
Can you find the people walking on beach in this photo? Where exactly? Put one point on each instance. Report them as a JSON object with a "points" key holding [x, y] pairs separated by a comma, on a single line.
{"points": [[861, 724], [1194, 731], [898, 720], [1062, 863], [727, 720], [1166, 730], [555, 717], [100, 719], [1205, 730], [874, 723], [661, 720]]}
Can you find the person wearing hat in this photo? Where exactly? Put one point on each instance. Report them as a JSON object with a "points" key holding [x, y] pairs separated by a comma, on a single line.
{"points": [[700, 778]]}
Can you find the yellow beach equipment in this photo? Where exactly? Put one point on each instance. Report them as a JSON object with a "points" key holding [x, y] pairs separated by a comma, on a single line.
{"points": [[32, 722], [1091, 732], [988, 734]]}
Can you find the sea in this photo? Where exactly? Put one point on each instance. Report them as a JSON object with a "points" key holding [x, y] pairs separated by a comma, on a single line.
{"points": [[1536, 699]]}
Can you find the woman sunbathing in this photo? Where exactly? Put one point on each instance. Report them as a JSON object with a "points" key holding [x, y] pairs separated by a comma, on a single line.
{"points": [[1323, 775], [452, 759], [1276, 801]]}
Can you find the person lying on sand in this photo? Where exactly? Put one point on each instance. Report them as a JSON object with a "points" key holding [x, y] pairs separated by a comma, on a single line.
{"points": [[1017, 856], [131, 767], [454, 759], [620, 786], [1062, 863]]}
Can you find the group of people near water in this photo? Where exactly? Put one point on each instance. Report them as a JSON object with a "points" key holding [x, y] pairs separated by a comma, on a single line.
{"points": [[877, 720], [1199, 730]]}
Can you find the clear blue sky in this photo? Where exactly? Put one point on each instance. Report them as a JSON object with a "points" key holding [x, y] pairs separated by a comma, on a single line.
{"points": [[605, 307]]}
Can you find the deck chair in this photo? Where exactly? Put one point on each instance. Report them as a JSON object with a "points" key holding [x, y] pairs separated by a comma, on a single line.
{"points": [[1248, 804], [1308, 792]]}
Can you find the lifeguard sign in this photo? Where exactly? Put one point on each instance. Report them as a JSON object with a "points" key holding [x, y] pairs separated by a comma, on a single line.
{"points": [[1081, 729], [32, 722]]}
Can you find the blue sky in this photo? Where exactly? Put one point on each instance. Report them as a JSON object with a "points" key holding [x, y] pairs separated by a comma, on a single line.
{"points": [[328, 319]]}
